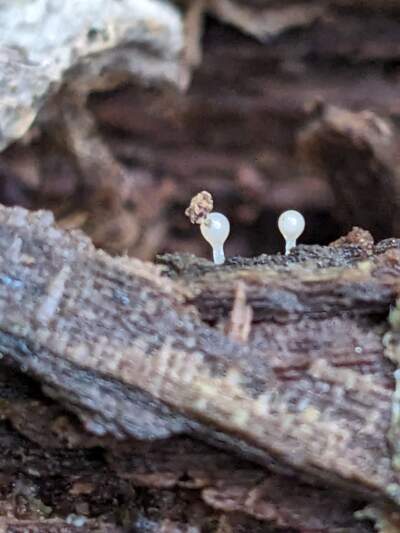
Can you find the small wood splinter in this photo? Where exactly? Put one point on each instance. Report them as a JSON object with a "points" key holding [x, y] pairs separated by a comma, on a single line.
{"points": [[291, 224], [214, 226]]}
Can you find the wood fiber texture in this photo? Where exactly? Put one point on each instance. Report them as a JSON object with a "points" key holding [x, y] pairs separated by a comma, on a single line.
{"points": [[137, 354]]}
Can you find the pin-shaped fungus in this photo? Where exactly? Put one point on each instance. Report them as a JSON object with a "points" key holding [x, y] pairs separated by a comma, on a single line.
{"points": [[215, 229], [214, 226], [291, 224]]}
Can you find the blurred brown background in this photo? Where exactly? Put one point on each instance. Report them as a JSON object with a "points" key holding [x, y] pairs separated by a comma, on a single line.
{"points": [[302, 115]]}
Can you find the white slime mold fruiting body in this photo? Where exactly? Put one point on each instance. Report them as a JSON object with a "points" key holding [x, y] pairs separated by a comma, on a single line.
{"points": [[291, 224], [215, 229]]}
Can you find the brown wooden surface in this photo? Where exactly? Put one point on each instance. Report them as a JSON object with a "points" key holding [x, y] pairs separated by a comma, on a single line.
{"points": [[308, 393], [291, 105]]}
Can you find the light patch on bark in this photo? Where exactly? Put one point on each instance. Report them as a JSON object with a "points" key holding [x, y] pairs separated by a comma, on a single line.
{"points": [[55, 291], [268, 22], [386, 521], [194, 21], [239, 325], [14, 252]]}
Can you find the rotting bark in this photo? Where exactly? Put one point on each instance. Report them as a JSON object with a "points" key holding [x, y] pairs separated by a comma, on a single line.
{"points": [[236, 132], [359, 154], [307, 392], [144, 39], [62, 473]]}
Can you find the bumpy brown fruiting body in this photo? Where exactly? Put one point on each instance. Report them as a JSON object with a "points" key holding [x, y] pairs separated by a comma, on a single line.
{"points": [[200, 207]]}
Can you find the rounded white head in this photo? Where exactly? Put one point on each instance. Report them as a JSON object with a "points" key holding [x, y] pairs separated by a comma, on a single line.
{"points": [[291, 224], [215, 229]]}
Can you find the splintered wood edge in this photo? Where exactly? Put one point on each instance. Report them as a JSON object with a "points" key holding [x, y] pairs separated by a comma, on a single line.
{"points": [[46, 226]]}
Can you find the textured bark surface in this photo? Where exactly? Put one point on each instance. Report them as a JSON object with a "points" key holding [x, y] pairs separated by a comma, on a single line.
{"points": [[290, 104], [64, 471], [141, 353], [91, 44]]}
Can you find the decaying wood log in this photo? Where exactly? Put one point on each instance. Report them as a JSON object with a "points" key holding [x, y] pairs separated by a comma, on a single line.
{"points": [[144, 352], [265, 390], [60, 473]]}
